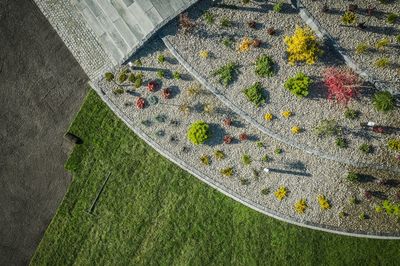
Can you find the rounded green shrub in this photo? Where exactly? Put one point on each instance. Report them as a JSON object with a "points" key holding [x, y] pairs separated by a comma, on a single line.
{"points": [[383, 101], [394, 144], [299, 85], [198, 132]]}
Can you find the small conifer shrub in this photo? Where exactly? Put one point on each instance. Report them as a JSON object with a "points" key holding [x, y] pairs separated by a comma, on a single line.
{"points": [[198, 132], [383, 101]]}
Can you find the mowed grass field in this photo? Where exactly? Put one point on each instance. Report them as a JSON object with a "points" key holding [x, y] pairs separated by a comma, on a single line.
{"points": [[151, 212]]}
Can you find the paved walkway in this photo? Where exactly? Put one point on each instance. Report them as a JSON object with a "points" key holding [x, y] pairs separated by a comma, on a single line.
{"points": [[41, 89]]}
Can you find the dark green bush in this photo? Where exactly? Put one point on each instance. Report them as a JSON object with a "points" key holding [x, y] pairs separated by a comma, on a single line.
{"points": [[226, 23], [366, 148], [198, 132], [227, 42], [176, 75], [264, 66], [391, 18], [255, 94], [161, 58], [353, 177], [109, 76], [226, 73], [299, 85], [246, 159], [351, 114], [341, 143], [209, 17], [383, 101], [123, 77]]}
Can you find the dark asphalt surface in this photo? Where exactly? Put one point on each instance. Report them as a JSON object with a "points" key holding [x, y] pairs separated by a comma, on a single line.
{"points": [[41, 88]]}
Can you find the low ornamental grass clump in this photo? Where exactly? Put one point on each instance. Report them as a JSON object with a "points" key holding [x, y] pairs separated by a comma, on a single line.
{"points": [[109, 76], [281, 193], [300, 206], [327, 128], [349, 17], [323, 202]]}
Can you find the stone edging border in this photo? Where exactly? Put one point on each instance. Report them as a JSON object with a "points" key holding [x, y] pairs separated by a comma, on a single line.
{"points": [[226, 191], [260, 127], [314, 24]]}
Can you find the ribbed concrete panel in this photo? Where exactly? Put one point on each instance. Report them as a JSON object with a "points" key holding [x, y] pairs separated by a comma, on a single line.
{"points": [[123, 25], [105, 33]]}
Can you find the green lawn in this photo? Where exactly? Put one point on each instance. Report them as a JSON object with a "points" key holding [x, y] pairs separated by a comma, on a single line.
{"points": [[152, 212]]}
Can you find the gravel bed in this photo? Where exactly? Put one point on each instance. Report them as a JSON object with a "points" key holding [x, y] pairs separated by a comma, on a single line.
{"points": [[305, 176], [376, 29], [309, 111]]}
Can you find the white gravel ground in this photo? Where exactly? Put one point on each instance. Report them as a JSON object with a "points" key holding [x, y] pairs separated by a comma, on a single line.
{"points": [[323, 177], [308, 112], [376, 29]]}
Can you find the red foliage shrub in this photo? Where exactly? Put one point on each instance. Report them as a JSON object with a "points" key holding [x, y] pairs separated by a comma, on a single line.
{"points": [[271, 31], [185, 22], [227, 122], [140, 103], [243, 136], [152, 86], [166, 93], [227, 139], [378, 129], [342, 85], [257, 43], [252, 24]]}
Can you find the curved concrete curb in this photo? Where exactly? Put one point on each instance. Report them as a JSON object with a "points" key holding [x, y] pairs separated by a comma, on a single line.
{"points": [[314, 24], [227, 191], [260, 127]]}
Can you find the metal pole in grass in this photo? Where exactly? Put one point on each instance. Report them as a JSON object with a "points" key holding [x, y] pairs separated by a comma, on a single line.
{"points": [[90, 211]]}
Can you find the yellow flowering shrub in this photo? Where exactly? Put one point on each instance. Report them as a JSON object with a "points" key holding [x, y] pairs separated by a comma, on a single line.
{"points": [[302, 46], [300, 206], [268, 117], [295, 130], [323, 202], [245, 45], [204, 54], [286, 114], [280, 193]]}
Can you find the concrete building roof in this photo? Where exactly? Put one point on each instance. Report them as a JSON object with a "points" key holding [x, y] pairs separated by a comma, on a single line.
{"points": [[104, 33]]}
